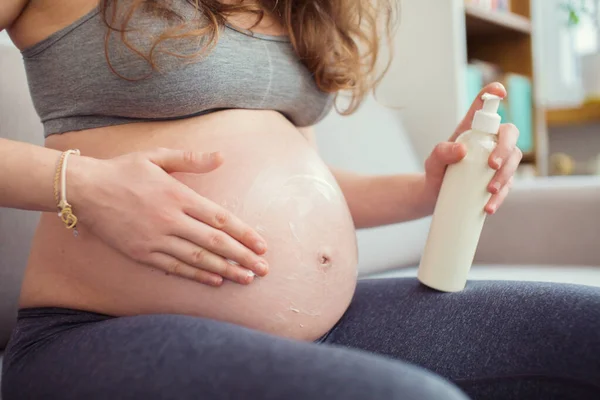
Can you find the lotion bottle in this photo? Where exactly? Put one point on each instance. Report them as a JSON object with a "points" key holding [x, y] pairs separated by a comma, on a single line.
{"points": [[459, 212]]}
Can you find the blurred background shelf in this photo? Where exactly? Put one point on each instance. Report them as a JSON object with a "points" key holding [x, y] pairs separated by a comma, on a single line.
{"points": [[588, 113], [454, 49], [480, 21], [528, 158], [500, 48]]}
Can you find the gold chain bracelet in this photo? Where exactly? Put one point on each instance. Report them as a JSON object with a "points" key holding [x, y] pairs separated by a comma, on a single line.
{"points": [[65, 210]]}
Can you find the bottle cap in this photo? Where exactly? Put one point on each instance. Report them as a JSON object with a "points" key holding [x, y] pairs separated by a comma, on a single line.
{"points": [[487, 119]]}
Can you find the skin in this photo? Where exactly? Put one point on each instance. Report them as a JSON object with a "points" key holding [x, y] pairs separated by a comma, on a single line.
{"points": [[177, 201], [184, 222]]}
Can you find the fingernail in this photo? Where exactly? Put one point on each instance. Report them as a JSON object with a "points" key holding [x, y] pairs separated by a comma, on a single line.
{"points": [[496, 187], [261, 267], [260, 246], [492, 209], [498, 162], [215, 156], [249, 277]]}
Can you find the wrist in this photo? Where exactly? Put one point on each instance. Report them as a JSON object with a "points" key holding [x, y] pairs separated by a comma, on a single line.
{"points": [[79, 177], [427, 195]]}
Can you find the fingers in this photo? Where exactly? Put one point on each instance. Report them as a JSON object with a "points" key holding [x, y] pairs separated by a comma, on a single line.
{"points": [[506, 172], [507, 146], [185, 161], [219, 218], [443, 155], [219, 242], [173, 266], [505, 159], [203, 259], [497, 199], [493, 88]]}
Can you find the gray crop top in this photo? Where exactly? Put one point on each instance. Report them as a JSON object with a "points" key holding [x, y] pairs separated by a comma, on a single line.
{"points": [[73, 88]]}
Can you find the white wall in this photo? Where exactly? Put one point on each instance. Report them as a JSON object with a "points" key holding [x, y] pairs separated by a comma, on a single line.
{"points": [[4, 39], [427, 76], [557, 67]]}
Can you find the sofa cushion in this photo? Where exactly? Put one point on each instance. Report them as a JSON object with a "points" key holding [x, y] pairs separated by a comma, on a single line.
{"points": [[582, 275], [373, 141], [18, 121], [0, 375]]}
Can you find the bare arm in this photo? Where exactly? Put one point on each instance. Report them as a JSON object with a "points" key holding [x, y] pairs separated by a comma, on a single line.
{"points": [[384, 200], [27, 175], [159, 232], [381, 200], [10, 11], [154, 220], [26, 171]]}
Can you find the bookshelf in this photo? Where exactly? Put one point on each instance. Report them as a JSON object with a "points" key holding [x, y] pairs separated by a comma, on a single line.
{"points": [[429, 75], [483, 22], [504, 38], [588, 113]]}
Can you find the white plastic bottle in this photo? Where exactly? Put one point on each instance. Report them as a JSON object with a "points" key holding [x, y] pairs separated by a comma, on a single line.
{"points": [[459, 212]]}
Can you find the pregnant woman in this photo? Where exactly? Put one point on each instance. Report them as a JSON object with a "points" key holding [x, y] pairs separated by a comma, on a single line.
{"points": [[204, 250]]}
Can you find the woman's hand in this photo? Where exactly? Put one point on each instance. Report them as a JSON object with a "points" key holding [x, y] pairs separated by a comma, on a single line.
{"points": [[134, 205], [504, 159]]}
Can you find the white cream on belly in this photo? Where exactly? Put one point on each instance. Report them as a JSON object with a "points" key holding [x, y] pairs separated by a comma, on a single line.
{"points": [[297, 197], [271, 179], [284, 210], [291, 198]]}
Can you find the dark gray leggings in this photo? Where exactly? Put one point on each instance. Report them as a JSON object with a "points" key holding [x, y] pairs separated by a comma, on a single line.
{"points": [[495, 340]]}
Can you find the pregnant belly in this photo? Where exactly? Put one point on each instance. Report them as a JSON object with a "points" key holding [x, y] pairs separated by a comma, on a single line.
{"points": [[271, 178]]}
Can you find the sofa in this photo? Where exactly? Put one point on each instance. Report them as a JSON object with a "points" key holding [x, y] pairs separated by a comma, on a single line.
{"points": [[547, 229]]}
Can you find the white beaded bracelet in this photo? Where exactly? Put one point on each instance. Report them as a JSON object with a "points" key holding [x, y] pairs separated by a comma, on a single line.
{"points": [[65, 211]]}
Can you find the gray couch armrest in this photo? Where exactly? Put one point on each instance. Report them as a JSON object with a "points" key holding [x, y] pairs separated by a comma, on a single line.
{"points": [[549, 221], [19, 121]]}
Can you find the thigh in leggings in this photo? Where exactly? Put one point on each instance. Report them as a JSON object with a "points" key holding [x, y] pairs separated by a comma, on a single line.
{"points": [[70, 355], [496, 340]]}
